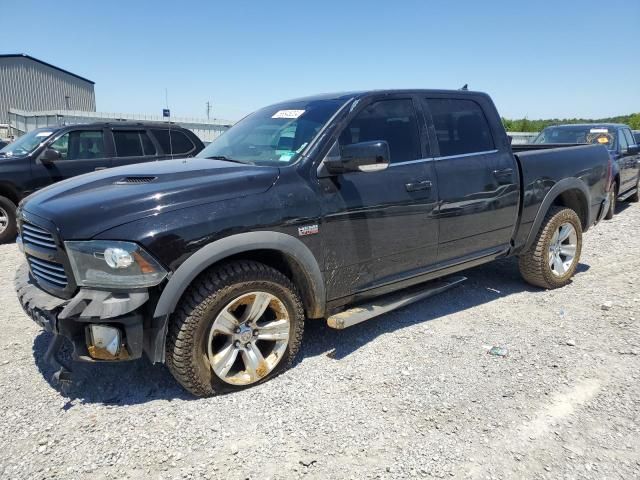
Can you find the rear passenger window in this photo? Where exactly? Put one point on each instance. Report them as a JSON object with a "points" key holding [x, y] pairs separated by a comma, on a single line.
{"points": [[179, 143], [128, 143], [391, 120], [461, 126], [147, 144]]}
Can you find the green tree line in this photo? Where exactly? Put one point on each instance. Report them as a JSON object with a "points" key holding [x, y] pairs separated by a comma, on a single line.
{"points": [[526, 125]]}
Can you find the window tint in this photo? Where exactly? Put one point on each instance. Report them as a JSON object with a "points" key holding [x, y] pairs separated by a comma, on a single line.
{"points": [[629, 137], [390, 120], [461, 126], [147, 144], [128, 143], [80, 145], [623, 143], [179, 143]]}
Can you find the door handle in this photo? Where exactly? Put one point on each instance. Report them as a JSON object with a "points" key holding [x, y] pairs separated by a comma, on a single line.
{"points": [[99, 168], [415, 186], [505, 172]]}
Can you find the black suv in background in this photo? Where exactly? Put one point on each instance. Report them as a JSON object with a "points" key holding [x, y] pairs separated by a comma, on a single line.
{"points": [[622, 146], [47, 155]]}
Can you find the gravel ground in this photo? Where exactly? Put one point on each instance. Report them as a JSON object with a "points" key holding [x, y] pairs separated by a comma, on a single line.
{"points": [[411, 394]]}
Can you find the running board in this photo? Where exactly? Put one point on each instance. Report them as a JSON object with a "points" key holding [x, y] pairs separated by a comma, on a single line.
{"points": [[391, 302]]}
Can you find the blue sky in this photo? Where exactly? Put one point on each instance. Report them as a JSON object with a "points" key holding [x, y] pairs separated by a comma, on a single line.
{"points": [[561, 58]]}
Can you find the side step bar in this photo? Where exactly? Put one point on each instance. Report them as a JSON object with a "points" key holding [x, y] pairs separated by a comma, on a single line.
{"points": [[391, 302]]}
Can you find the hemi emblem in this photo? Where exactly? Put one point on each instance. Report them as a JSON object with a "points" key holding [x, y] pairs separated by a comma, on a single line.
{"points": [[308, 230]]}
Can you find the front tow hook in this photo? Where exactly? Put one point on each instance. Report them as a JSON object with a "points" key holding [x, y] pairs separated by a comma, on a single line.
{"points": [[63, 373]]}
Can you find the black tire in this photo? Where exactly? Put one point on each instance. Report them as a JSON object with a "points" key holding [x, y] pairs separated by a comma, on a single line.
{"points": [[8, 211], [613, 196], [534, 263], [190, 325]]}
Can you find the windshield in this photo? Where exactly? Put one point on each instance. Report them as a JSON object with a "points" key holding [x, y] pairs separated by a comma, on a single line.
{"points": [[578, 134], [26, 143], [274, 135]]}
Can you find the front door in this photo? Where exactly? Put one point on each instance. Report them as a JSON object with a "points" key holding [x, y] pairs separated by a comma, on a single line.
{"points": [[81, 151], [477, 182], [628, 160], [379, 227]]}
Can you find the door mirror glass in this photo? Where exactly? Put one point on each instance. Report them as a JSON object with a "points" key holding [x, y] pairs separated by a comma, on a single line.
{"points": [[49, 156], [369, 156], [633, 149]]}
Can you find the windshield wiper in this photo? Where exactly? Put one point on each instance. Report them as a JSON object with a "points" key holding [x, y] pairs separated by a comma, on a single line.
{"points": [[226, 159]]}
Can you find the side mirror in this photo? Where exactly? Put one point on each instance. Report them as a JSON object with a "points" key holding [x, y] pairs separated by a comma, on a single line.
{"points": [[49, 156], [360, 157], [633, 149]]}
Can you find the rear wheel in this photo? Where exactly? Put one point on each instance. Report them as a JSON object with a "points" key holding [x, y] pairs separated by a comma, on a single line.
{"points": [[613, 196], [238, 325], [8, 228], [553, 258]]}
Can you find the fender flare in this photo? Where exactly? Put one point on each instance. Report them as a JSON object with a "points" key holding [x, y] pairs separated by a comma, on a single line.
{"points": [[558, 189], [240, 243]]}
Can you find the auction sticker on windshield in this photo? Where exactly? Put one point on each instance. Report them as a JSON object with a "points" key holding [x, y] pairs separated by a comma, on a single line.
{"points": [[599, 130], [287, 114], [43, 134]]}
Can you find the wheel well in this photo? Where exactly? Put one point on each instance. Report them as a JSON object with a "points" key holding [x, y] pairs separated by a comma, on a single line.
{"points": [[10, 193], [286, 265], [576, 201], [616, 182]]}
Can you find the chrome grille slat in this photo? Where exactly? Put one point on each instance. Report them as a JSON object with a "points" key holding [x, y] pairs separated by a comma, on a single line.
{"points": [[49, 272], [37, 236], [47, 265]]}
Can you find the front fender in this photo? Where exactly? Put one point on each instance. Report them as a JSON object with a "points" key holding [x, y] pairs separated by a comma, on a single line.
{"points": [[314, 294]]}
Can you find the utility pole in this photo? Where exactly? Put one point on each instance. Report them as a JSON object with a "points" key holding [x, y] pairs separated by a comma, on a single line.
{"points": [[208, 109]]}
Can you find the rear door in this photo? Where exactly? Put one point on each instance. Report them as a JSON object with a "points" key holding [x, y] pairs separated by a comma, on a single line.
{"points": [[379, 227], [477, 178], [81, 151], [132, 146], [630, 159]]}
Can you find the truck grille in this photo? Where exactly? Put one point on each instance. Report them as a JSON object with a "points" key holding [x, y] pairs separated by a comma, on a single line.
{"points": [[37, 236], [49, 272]]}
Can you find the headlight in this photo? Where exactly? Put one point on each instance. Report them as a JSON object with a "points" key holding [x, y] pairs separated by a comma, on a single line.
{"points": [[106, 263]]}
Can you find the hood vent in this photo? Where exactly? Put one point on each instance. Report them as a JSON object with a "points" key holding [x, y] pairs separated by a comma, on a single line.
{"points": [[135, 180]]}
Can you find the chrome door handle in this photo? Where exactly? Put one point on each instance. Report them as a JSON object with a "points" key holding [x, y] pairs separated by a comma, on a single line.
{"points": [[415, 186], [505, 172]]}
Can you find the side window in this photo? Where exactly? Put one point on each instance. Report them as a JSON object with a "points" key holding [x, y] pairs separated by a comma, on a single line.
{"points": [[179, 143], [622, 141], [80, 145], [391, 120], [461, 126], [128, 143], [629, 137], [62, 146], [147, 144]]}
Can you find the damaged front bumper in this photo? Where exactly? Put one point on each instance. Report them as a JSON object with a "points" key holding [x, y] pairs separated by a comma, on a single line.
{"points": [[88, 312]]}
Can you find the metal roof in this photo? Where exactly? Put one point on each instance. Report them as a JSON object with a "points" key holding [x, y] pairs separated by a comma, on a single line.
{"points": [[24, 55]]}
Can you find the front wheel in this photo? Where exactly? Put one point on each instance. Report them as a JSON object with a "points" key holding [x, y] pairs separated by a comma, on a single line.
{"points": [[238, 325], [8, 228], [553, 258]]}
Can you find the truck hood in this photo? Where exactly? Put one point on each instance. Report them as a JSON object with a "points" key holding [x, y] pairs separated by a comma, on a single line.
{"points": [[83, 206]]}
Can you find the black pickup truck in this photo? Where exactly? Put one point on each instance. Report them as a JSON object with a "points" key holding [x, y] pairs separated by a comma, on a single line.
{"points": [[336, 207], [47, 155]]}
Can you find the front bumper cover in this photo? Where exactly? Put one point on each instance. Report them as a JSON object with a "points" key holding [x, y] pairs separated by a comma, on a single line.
{"points": [[70, 317]]}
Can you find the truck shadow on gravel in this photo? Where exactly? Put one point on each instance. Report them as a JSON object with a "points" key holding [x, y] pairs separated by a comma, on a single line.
{"points": [[139, 381]]}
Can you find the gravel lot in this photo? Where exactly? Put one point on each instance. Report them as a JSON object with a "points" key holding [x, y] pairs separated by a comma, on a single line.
{"points": [[411, 394]]}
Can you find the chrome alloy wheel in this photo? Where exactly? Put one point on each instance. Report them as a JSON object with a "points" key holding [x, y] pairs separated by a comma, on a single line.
{"points": [[248, 338], [4, 220], [562, 249]]}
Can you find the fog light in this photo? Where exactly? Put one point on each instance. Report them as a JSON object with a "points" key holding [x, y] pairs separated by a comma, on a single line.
{"points": [[105, 342]]}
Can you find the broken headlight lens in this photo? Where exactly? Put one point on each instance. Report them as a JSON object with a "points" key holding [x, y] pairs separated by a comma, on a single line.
{"points": [[113, 264]]}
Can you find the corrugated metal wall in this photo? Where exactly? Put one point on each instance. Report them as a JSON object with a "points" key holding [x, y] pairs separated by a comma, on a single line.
{"points": [[26, 84]]}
